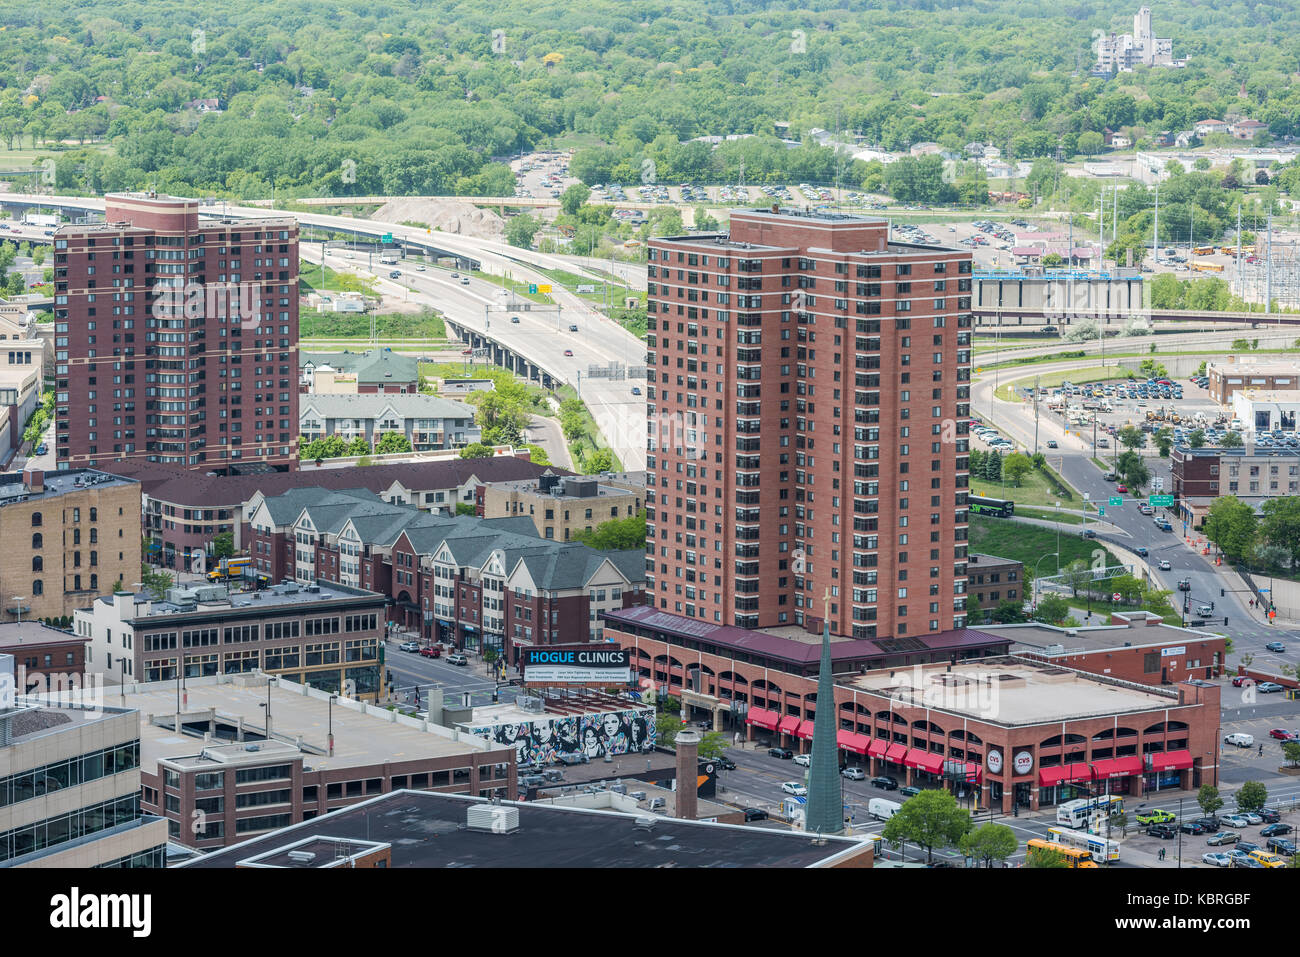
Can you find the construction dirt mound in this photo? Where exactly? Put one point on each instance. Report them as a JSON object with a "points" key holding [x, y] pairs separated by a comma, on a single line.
{"points": [[447, 215]]}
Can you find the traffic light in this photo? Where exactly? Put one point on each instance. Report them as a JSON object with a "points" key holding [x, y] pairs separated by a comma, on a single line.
{"points": [[1211, 605], [1225, 621], [1220, 592]]}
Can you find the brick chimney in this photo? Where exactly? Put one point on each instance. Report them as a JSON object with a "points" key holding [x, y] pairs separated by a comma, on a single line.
{"points": [[688, 770], [34, 480]]}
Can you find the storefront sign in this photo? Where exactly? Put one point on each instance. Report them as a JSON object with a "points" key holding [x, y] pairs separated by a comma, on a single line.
{"points": [[995, 761], [1024, 762], [580, 665], [1170, 652]]}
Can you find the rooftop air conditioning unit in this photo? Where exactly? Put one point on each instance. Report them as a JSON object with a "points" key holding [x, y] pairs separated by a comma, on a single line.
{"points": [[645, 822], [492, 819], [302, 857]]}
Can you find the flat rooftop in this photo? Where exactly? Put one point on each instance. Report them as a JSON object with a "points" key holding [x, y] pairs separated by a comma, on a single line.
{"points": [[530, 486], [15, 636], [428, 830], [359, 739], [276, 596], [30, 719], [1253, 368], [1008, 691], [12, 488], [571, 704], [1039, 638]]}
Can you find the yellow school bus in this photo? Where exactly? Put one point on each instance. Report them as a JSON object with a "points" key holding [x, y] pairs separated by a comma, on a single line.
{"points": [[1073, 856]]}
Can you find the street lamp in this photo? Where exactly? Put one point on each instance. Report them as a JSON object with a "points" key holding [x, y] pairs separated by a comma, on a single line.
{"points": [[332, 699], [269, 681], [18, 606], [1040, 558]]}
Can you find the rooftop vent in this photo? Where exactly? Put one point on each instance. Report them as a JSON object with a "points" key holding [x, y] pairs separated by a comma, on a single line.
{"points": [[645, 822], [302, 857], [492, 819]]}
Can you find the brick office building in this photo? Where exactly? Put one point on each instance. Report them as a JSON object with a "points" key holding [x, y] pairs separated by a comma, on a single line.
{"points": [[68, 537], [176, 340], [799, 328], [465, 581], [44, 657], [941, 707], [326, 636], [220, 758], [181, 510]]}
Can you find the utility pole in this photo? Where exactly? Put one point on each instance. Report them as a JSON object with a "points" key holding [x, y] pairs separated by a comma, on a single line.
{"points": [[1241, 288], [1268, 278], [1155, 232], [1035, 415]]}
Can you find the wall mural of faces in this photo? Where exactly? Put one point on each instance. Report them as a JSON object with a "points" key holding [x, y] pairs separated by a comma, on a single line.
{"points": [[543, 741]]}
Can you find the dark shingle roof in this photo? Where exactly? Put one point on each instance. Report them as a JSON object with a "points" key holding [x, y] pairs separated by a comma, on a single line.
{"points": [[195, 488], [372, 368]]}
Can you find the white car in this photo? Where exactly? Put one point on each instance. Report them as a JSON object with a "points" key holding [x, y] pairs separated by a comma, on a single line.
{"points": [[1251, 817], [803, 760], [1217, 858], [420, 267], [854, 774], [1164, 565], [795, 788]]}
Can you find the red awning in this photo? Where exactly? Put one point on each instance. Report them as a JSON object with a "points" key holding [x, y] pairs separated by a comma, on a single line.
{"points": [[1117, 767], [805, 730], [1048, 777], [857, 743], [896, 752], [877, 748], [789, 724], [1171, 761], [923, 761], [1077, 772], [763, 718]]}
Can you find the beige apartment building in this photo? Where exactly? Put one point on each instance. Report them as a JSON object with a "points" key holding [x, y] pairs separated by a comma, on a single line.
{"points": [[561, 506], [68, 537]]}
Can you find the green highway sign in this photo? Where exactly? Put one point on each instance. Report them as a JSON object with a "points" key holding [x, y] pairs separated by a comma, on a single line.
{"points": [[1116, 501], [1156, 501], [532, 288], [386, 238], [1101, 509]]}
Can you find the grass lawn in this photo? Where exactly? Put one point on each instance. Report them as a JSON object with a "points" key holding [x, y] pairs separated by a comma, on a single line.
{"points": [[309, 281], [350, 325], [520, 288], [1036, 488], [1028, 543], [1050, 515]]}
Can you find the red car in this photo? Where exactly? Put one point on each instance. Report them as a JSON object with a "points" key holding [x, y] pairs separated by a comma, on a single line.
{"points": [[1283, 734], [568, 352], [1240, 680], [433, 651], [1121, 488]]}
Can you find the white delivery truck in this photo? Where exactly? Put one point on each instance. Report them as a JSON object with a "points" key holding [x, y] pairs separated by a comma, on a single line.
{"points": [[883, 810], [1240, 739], [40, 219]]}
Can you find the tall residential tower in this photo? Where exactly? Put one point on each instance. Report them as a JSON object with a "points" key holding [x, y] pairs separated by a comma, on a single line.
{"points": [[795, 329], [176, 340]]}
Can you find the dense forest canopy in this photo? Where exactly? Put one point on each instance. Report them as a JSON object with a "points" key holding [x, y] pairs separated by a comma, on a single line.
{"points": [[395, 96]]}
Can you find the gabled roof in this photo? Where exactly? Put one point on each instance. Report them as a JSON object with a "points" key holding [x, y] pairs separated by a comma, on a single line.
{"points": [[374, 367], [373, 405]]}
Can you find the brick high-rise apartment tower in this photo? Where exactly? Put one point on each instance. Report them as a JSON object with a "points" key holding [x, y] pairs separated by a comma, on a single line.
{"points": [[808, 410], [176, 340]]}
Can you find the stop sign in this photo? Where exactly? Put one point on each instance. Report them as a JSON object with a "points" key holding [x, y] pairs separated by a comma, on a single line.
{"points": [[1116, 597]]}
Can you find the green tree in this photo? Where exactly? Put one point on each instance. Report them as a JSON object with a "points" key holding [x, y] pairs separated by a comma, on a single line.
{"points": [[1196, 438], [1045, 858], [930, 819], [155, 581], [573, 198], [667, 724], [989, 843], [1231, 440], [1016, 466], [1090, 143], [993, 466], [1251, 796], [1164, 441], [521, 229], [1291, 750], [713, 744], [358, 446], [1009, 612], [537, 455], [1077, 574], [476, 450], [466, 508], [1052, 609], [617, 534], [1231, 525], [600, 460], [391, 443], [1280, 524], [1209, 800], [1131, 437], [223, 545]]}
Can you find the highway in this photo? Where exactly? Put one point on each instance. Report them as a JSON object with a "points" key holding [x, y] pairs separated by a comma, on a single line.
{"points": [[1248, 628], [540, 338]]}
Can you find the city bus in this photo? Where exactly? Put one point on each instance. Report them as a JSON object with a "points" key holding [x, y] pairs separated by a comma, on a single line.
{"points": [[1080, 812], [983, 505], [1102, 850], [1071, 855]]}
